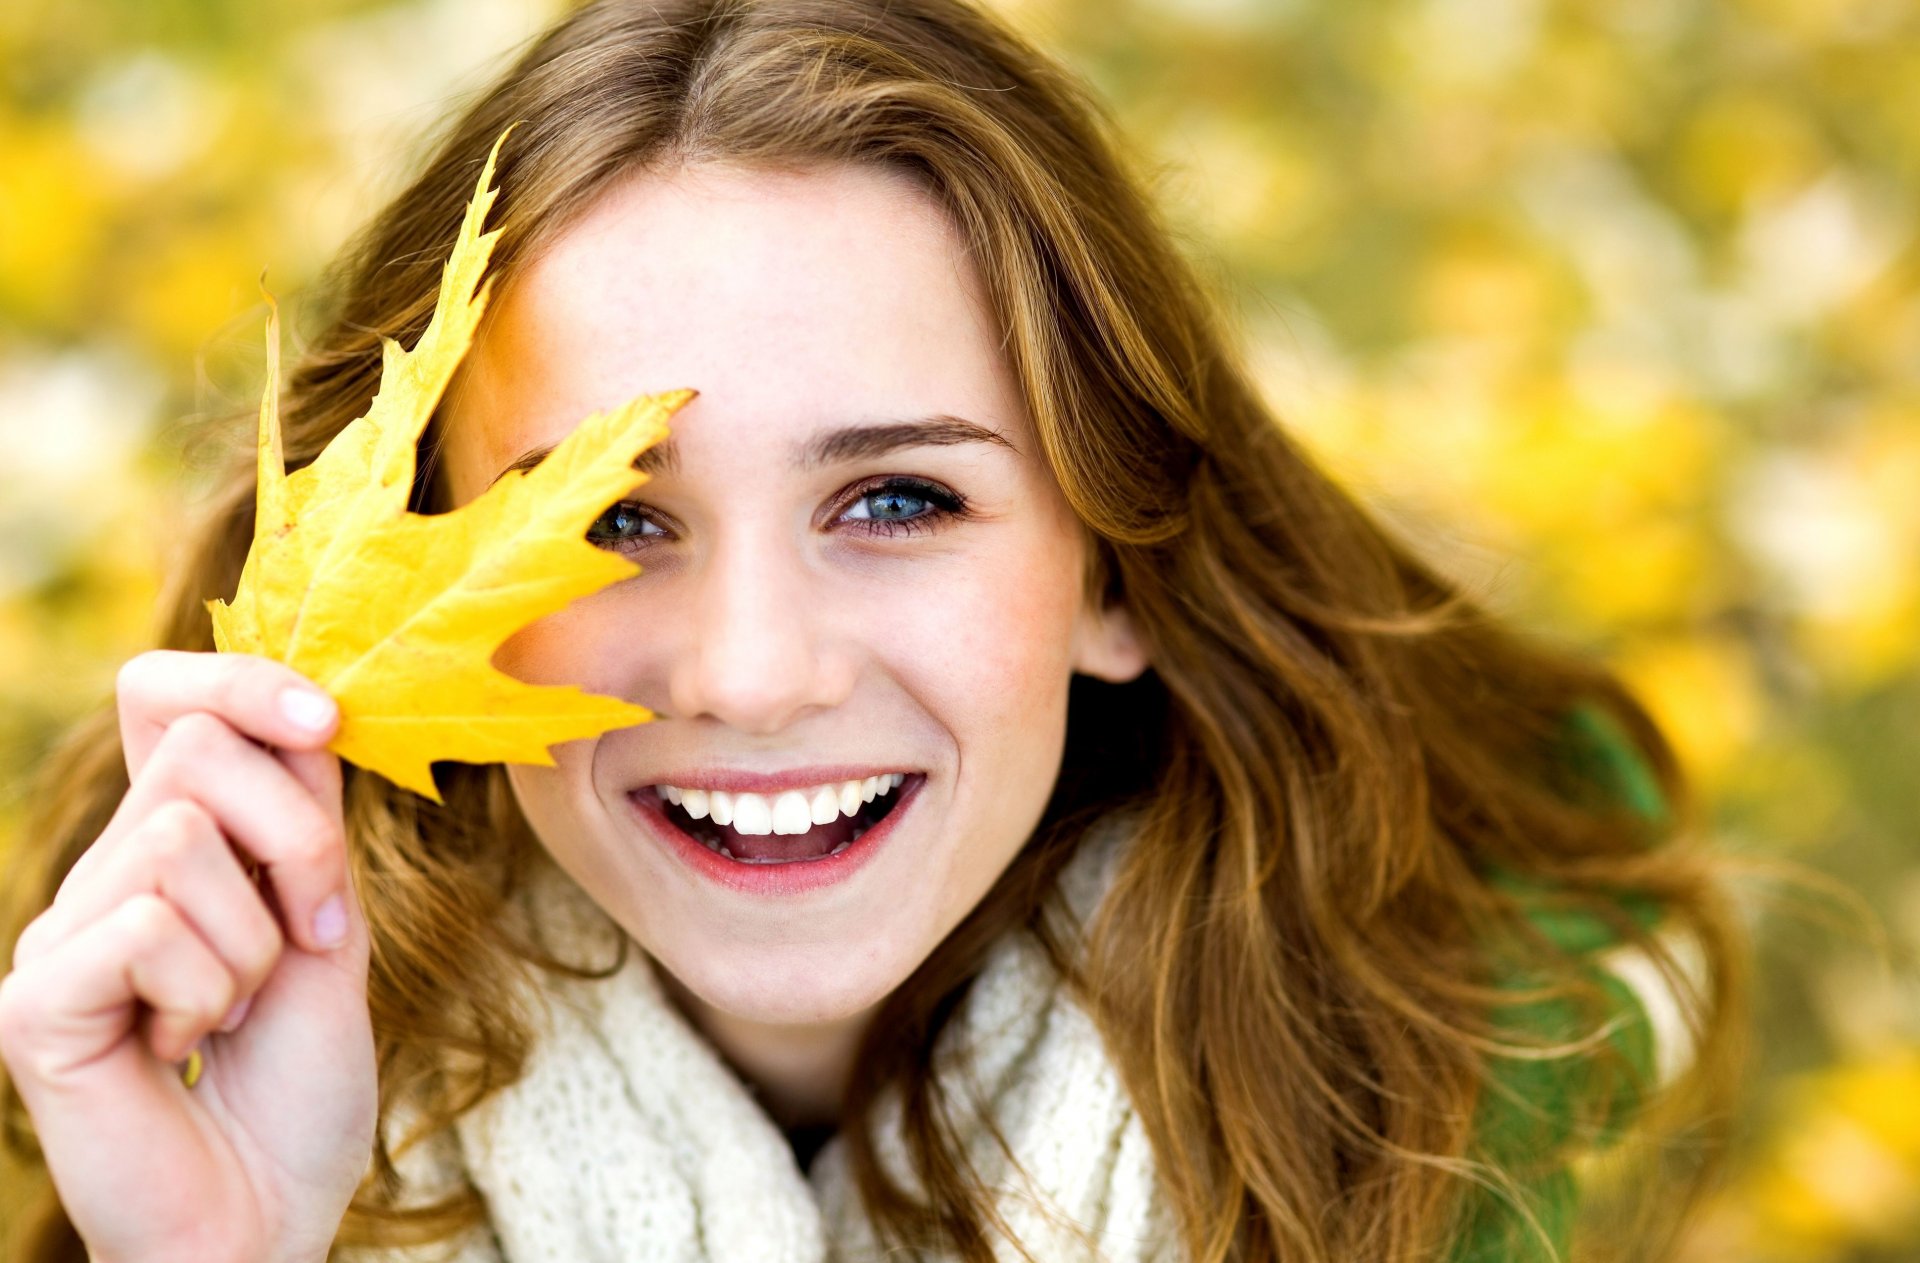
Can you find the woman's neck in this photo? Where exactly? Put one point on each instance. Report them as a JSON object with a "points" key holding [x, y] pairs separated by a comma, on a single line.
{"points": [[796, 1071]]}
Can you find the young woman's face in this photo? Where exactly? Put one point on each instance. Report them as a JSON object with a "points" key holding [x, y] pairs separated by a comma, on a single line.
{"points": [[856, 564]]}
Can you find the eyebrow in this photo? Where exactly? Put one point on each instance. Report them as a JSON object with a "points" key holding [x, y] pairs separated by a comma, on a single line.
{"points": [[850, 443]]}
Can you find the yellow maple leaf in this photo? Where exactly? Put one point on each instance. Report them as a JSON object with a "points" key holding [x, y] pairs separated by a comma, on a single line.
{"points": [[397, 614]]}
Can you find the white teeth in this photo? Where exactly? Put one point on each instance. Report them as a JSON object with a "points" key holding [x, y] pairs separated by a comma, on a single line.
{"points": [[790, 813], [751, 814], [793, 811]]}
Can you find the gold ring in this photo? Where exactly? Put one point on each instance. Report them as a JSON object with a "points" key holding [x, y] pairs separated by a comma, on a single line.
{"points": [[190, 1074]]}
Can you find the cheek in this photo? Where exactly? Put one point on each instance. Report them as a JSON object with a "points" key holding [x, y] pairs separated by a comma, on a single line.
{"points": [[565, 823], [561, 650], [554, 650], [993, 638]]}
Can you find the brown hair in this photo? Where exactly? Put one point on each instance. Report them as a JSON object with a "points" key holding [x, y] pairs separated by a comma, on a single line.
{"points": [[1334, 752]]}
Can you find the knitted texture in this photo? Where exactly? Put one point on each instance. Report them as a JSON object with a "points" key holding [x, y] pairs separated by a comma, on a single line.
{"points": [[628, 1138]]}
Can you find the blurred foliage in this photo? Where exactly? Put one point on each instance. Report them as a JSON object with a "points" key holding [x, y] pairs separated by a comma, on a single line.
{"points": [[1612, 305]]}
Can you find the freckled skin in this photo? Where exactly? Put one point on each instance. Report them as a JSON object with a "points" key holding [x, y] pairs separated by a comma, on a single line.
{"points": [[766, 630]]}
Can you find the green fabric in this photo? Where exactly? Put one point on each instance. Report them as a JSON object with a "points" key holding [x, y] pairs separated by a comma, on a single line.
{"points": [[1496, 1232], [1529, 1111], [1599, 749]]}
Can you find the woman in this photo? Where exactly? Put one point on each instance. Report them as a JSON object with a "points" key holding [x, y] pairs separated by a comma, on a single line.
{"points": [[1244, 891]]}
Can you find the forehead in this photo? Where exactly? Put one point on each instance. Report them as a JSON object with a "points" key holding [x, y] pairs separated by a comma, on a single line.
{"points": [[791, 300]]}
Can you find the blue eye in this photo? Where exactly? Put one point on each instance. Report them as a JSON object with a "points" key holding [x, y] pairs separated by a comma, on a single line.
{"points": [[902, 506], [889, 504], [627, 513]]}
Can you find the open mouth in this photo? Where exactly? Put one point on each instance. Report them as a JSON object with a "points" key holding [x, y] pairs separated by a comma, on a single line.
{"points": [[790, 827]]}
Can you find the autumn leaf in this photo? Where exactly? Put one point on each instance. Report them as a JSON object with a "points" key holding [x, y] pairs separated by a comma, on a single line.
{"points": [[397, 614]]}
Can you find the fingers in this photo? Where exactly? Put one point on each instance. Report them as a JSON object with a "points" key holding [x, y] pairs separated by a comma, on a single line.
{"points": [[319, 772], [256, 802], [67, 1012], [179, 854], [267, 700]]}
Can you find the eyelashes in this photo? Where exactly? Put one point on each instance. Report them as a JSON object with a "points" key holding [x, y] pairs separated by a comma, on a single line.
{"points": [[939, 506], [942, 506]]}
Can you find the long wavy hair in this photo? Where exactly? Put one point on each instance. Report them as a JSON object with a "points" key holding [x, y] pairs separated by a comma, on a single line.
{"points": [[1344, 767]]}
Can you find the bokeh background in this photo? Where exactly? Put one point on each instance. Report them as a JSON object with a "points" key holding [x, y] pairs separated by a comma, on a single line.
{"points": [[1613, 305]]}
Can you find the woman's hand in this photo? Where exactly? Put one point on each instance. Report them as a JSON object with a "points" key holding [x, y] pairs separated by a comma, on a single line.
{"points": [[158, 937]]}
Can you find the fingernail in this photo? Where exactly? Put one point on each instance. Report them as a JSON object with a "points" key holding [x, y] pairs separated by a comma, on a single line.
{"points": [[330, 923], [308, 709], [236, 1013]]}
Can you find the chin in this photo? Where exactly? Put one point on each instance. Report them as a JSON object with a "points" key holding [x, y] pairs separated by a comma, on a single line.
{"points": [[780, 988]]}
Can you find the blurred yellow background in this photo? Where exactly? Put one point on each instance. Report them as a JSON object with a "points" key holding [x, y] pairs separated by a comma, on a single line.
{"points": [[1613, 306]]}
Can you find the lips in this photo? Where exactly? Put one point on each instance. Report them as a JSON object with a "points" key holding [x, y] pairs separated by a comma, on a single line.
{"points": [[760, 847], [777, 876]]}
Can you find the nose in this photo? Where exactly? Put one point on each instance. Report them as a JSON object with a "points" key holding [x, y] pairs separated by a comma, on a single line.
{"points": [[761, 654]]}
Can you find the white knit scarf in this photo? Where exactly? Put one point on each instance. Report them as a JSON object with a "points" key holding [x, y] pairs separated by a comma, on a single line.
{"points": [[630, 1139]]}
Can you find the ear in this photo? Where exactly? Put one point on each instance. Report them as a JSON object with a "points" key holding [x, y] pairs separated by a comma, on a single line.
{"points": [[1107, 646]]}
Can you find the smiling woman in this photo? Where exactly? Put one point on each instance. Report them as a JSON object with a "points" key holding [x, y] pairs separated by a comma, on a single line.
{"points": [[1071, 828], [897, 599]]}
